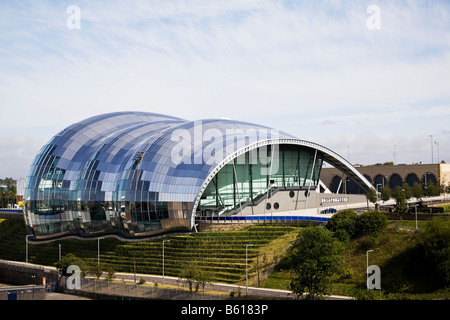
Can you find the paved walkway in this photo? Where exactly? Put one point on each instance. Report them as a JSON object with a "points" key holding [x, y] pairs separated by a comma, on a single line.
{"points": [[222, 287], [63, 296]]}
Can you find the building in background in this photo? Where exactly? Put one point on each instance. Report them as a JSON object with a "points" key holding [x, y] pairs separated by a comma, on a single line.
{"points": [[138, 174], [387, 175]]}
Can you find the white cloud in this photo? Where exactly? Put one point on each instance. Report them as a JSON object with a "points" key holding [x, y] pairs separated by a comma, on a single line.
{"points": [[291, 65]]}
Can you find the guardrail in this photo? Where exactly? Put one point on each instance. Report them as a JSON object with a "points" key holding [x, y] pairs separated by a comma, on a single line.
{"points": [[9, 210], [263, 219]]}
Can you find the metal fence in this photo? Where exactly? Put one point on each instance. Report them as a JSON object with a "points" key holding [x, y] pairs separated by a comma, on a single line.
{"points": [[127, 290], [123, 290]]}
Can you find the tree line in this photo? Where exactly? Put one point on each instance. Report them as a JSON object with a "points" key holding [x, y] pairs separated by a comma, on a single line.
{"points": [[8, 192], [402, 193]]}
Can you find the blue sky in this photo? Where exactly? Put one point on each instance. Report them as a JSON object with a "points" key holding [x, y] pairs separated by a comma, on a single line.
{"points": [[311, 68]]}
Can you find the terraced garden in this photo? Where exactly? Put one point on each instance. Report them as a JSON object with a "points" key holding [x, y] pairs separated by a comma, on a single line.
{"points": [[220, 254]]}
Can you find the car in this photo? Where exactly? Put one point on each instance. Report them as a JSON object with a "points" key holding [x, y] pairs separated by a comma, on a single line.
{"points": [[329, 210]]}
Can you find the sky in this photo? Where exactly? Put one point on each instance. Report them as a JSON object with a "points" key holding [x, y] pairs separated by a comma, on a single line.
{"points": [[368, 79]]}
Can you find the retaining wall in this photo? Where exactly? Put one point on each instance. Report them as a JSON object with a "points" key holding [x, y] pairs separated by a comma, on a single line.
{"points": [[25, 273]]}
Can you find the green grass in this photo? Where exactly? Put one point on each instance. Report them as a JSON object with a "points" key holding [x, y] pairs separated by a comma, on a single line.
{"points": [[395, 251], [222, 255]]}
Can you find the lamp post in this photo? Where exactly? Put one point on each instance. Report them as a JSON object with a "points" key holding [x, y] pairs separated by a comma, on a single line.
{"points": [[416, 215], [378, 184], [98, 250], [26, 248], [59, 251], [431, 137], [437, 145], [246, 267], [163, 259], [367, 264]]}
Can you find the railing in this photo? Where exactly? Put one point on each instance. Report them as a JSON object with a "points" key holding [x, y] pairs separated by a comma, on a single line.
{"points": [[126, 290], [263, 219]]}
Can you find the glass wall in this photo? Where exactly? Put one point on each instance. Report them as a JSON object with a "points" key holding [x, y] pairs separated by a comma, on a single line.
{"points": [[250, 176], [137, 172]]}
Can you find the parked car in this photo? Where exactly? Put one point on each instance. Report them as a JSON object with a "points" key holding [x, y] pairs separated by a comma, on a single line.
{"points": [[329, 210]]}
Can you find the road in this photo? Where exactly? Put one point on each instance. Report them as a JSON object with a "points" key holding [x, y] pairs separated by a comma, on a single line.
{"points": [[222, 287]]}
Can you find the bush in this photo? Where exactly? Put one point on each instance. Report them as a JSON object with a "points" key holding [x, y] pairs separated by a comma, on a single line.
{"points": [[343, 223], [369, 222], [434, 241], [364, 294], [348, 225], [110, 273], [66, 261]]}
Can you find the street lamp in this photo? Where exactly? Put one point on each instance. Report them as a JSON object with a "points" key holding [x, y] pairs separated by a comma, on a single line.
{"points": [[378, 184], [26, 248], [246, 267], [98, 250], [416, 215], [431, 137], [367, 264], [437, 145], [163, 259]]}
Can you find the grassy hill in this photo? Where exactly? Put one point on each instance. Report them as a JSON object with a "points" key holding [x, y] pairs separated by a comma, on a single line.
{"points": [[221, 254], [406, 273]]}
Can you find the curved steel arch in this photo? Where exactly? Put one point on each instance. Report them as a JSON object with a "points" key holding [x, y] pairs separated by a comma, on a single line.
{"points": [[328, 155]]}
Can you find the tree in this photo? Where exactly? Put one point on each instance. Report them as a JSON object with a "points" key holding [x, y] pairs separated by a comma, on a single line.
{"points": [[203, 278], [192, 274], [370, 222], [96, 269], [371, 195], [431, 189], [348, 222], [434, 240], [315, 259], [401, 206], [343, 224], [68, 260], [407, 191], [385, 193], [8, 193], [110, 273], [417, 191]]}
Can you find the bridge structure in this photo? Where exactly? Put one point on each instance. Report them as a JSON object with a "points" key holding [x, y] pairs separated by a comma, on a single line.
{"points": [[390, 175]]}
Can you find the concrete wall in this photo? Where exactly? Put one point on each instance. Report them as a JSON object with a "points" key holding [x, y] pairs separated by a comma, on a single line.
{"points": [[290, 200], [22, 293], [23, 273]]}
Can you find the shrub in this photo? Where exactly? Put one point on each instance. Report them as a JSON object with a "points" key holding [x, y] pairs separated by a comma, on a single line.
{"points": [[348, 225], [369, 222], [364, 294], [110, 273], [343, 221], [434, 241], [66, 261]]}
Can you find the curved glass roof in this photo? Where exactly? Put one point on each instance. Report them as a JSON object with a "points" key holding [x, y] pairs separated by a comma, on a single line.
{"points": [[138, 156]]}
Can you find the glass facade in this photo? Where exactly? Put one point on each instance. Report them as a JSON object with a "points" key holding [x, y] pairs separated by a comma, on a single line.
{"points": [[247, 178], [138, 174]]}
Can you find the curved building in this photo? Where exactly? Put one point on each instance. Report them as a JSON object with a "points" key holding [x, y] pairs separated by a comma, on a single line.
{"points": [[140, 174]]}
